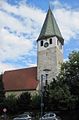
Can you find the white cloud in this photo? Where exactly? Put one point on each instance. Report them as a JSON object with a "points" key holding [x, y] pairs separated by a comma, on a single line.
{"points": [[24, 10], [1, 3], [67, 19], [33, 65], [24, 19], [13, 43], [5, 67], [12, 46], [66, 59]]}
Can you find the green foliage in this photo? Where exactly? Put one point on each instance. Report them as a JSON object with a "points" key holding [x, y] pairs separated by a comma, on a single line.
{"points": [[24, 101], [11, 103], [61, 98], [64, 91], [70, 73], [36, 100], [2, 93], [18, 104], [46, 97]]}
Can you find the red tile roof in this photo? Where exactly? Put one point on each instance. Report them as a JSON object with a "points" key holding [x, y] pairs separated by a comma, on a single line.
{"points": [[21, 79]]}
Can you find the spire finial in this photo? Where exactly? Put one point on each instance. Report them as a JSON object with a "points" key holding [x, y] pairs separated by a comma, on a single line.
{"points": [[49, 5]]}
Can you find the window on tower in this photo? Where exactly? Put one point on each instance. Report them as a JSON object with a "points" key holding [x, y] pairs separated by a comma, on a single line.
{"points": [[41, 42], [50, 40], [57, 42], [60, 46]]}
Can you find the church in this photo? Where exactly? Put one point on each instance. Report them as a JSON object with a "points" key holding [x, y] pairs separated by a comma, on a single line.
{"points": [[49, 58]]}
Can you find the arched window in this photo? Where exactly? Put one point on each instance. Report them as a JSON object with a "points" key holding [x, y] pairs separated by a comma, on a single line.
{"points": [[57, 42], [50, 40], [60, 46], [41, 43]]}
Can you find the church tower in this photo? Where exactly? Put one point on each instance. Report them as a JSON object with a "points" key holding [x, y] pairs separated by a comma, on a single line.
{"points": [[49, 49]]}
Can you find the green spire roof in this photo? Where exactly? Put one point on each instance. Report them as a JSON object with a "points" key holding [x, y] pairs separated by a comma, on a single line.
{"points": [[50, 28]]}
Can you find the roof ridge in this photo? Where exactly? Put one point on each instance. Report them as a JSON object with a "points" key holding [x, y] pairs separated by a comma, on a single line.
{"points": [[20, 69]]}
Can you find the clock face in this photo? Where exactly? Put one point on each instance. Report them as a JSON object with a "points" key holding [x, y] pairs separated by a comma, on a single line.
{"points": [[46, 44]]}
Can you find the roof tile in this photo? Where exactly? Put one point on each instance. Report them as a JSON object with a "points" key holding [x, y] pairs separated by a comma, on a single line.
{"points": [[22, 79]]}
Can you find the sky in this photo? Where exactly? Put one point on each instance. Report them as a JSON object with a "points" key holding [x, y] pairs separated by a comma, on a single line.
{"points": [[20, 25]]}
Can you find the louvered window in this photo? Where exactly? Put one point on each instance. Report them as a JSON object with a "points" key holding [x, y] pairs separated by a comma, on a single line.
{"points": [[41, 42], [50, 40]]}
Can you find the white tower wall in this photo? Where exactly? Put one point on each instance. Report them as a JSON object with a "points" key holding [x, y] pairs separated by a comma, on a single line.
{"points": [[49, 58]]}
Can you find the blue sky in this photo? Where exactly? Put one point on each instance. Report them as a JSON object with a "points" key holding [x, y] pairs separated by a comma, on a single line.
{"points": [[20, 25]]}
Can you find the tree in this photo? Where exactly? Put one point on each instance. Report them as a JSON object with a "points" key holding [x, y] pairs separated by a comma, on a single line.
{"points": [[11, 104], [24, 101], [36, 99], [60, 97], [64, 91], [46, 97], [2, 93], [70, 73]]}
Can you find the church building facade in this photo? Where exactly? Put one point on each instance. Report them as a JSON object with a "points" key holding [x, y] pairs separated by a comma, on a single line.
{"points": [[49, 48], [49, 58]]}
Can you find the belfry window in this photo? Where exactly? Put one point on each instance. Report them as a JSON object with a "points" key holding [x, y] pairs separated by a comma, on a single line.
{"points": [[57, 42], [41, 43], [60, 46], [50, 40]]}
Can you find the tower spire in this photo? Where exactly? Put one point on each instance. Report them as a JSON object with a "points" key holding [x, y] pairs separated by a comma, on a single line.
{"points": [[49, 49], [50, 28], [49, 5]]}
